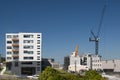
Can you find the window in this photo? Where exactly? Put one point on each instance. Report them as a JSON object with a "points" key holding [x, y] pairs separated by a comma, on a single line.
{"points": [[15, 58], [9, 58], [26, 63], [38, 63], [28, 36], [38, 48], [38, 36], [38, 57], [9, 47], [9, 36], [28, 47], [38, 41], [38, 68], [9, 42], [28, 52], [28, 58], [15, 36], [16, 64], [28, 41], [9, 52], [16, 52], [38, 53]]}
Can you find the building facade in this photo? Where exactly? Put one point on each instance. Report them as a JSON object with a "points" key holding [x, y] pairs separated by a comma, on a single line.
{"points": [[77, 63], [23, 53], [111, 65], [66, 62], [84, 62]]}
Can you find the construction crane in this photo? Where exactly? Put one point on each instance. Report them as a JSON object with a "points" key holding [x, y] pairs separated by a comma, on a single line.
{"points": [[95, 38]]}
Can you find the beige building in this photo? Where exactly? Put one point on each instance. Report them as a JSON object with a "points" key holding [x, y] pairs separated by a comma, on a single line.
{"points": [[111, 65]]}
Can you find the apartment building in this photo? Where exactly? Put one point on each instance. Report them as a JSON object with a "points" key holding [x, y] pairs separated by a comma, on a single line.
{"points": [[23, 53]]}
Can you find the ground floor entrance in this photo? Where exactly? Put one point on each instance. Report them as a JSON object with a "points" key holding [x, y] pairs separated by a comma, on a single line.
{"points": [[28, 70]]}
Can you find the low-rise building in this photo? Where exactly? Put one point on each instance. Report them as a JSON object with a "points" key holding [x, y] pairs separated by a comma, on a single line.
{"points": [[84, 62], [111, 65]]}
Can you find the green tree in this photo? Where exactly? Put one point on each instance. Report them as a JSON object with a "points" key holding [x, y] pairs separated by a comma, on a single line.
{"points": [[48, 72], [92, 75], [52, 74]]}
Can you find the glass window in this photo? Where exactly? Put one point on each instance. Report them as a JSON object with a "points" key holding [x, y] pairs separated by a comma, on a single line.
{"points": [[38, 57], [28, 58], [28, 41], [9, 58], [15, 58], [9, 52], [38, 48], [38, 41], [28, 63], [28, 47], [38, 52], [15, 36], [9, 47], [38, 68], [9, 36], [28, 52], [28, 36], [9, 42], [16, 64]]}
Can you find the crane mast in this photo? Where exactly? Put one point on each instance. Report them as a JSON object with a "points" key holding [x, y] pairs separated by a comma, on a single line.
{"points": [[96, 37]]}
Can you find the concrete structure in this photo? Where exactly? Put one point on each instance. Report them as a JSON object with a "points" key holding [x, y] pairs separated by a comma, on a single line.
{"points": [[66, 62], [77, 63], [50, 62], [91, 61], [96, 62], [84, 62], [111, 65], [23, 53], [47, 62]]}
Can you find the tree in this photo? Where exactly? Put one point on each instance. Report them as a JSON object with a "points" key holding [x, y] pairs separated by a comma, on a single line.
{"points": [[92, 75], [50, 74]]}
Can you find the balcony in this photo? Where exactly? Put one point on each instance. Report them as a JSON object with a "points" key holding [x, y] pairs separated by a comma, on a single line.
{"points": [[15, 50], [15, 55], [15, 44], [15, 39]]}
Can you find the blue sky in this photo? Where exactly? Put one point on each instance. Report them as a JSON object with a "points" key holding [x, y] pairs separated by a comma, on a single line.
{"points": [[63, 23]]}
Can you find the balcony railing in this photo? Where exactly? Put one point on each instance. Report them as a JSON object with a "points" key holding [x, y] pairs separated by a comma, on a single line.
{"points": [[15, 39], [15, 50], [15, 55], [15, 44]]}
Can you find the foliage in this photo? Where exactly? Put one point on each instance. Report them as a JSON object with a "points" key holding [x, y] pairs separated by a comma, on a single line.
{"points": [[93, 75], [1, 69], [48, 74], [52, 74]]}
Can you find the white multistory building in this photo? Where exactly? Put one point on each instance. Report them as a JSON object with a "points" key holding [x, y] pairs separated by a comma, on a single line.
{"points": [[23, 53]]}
